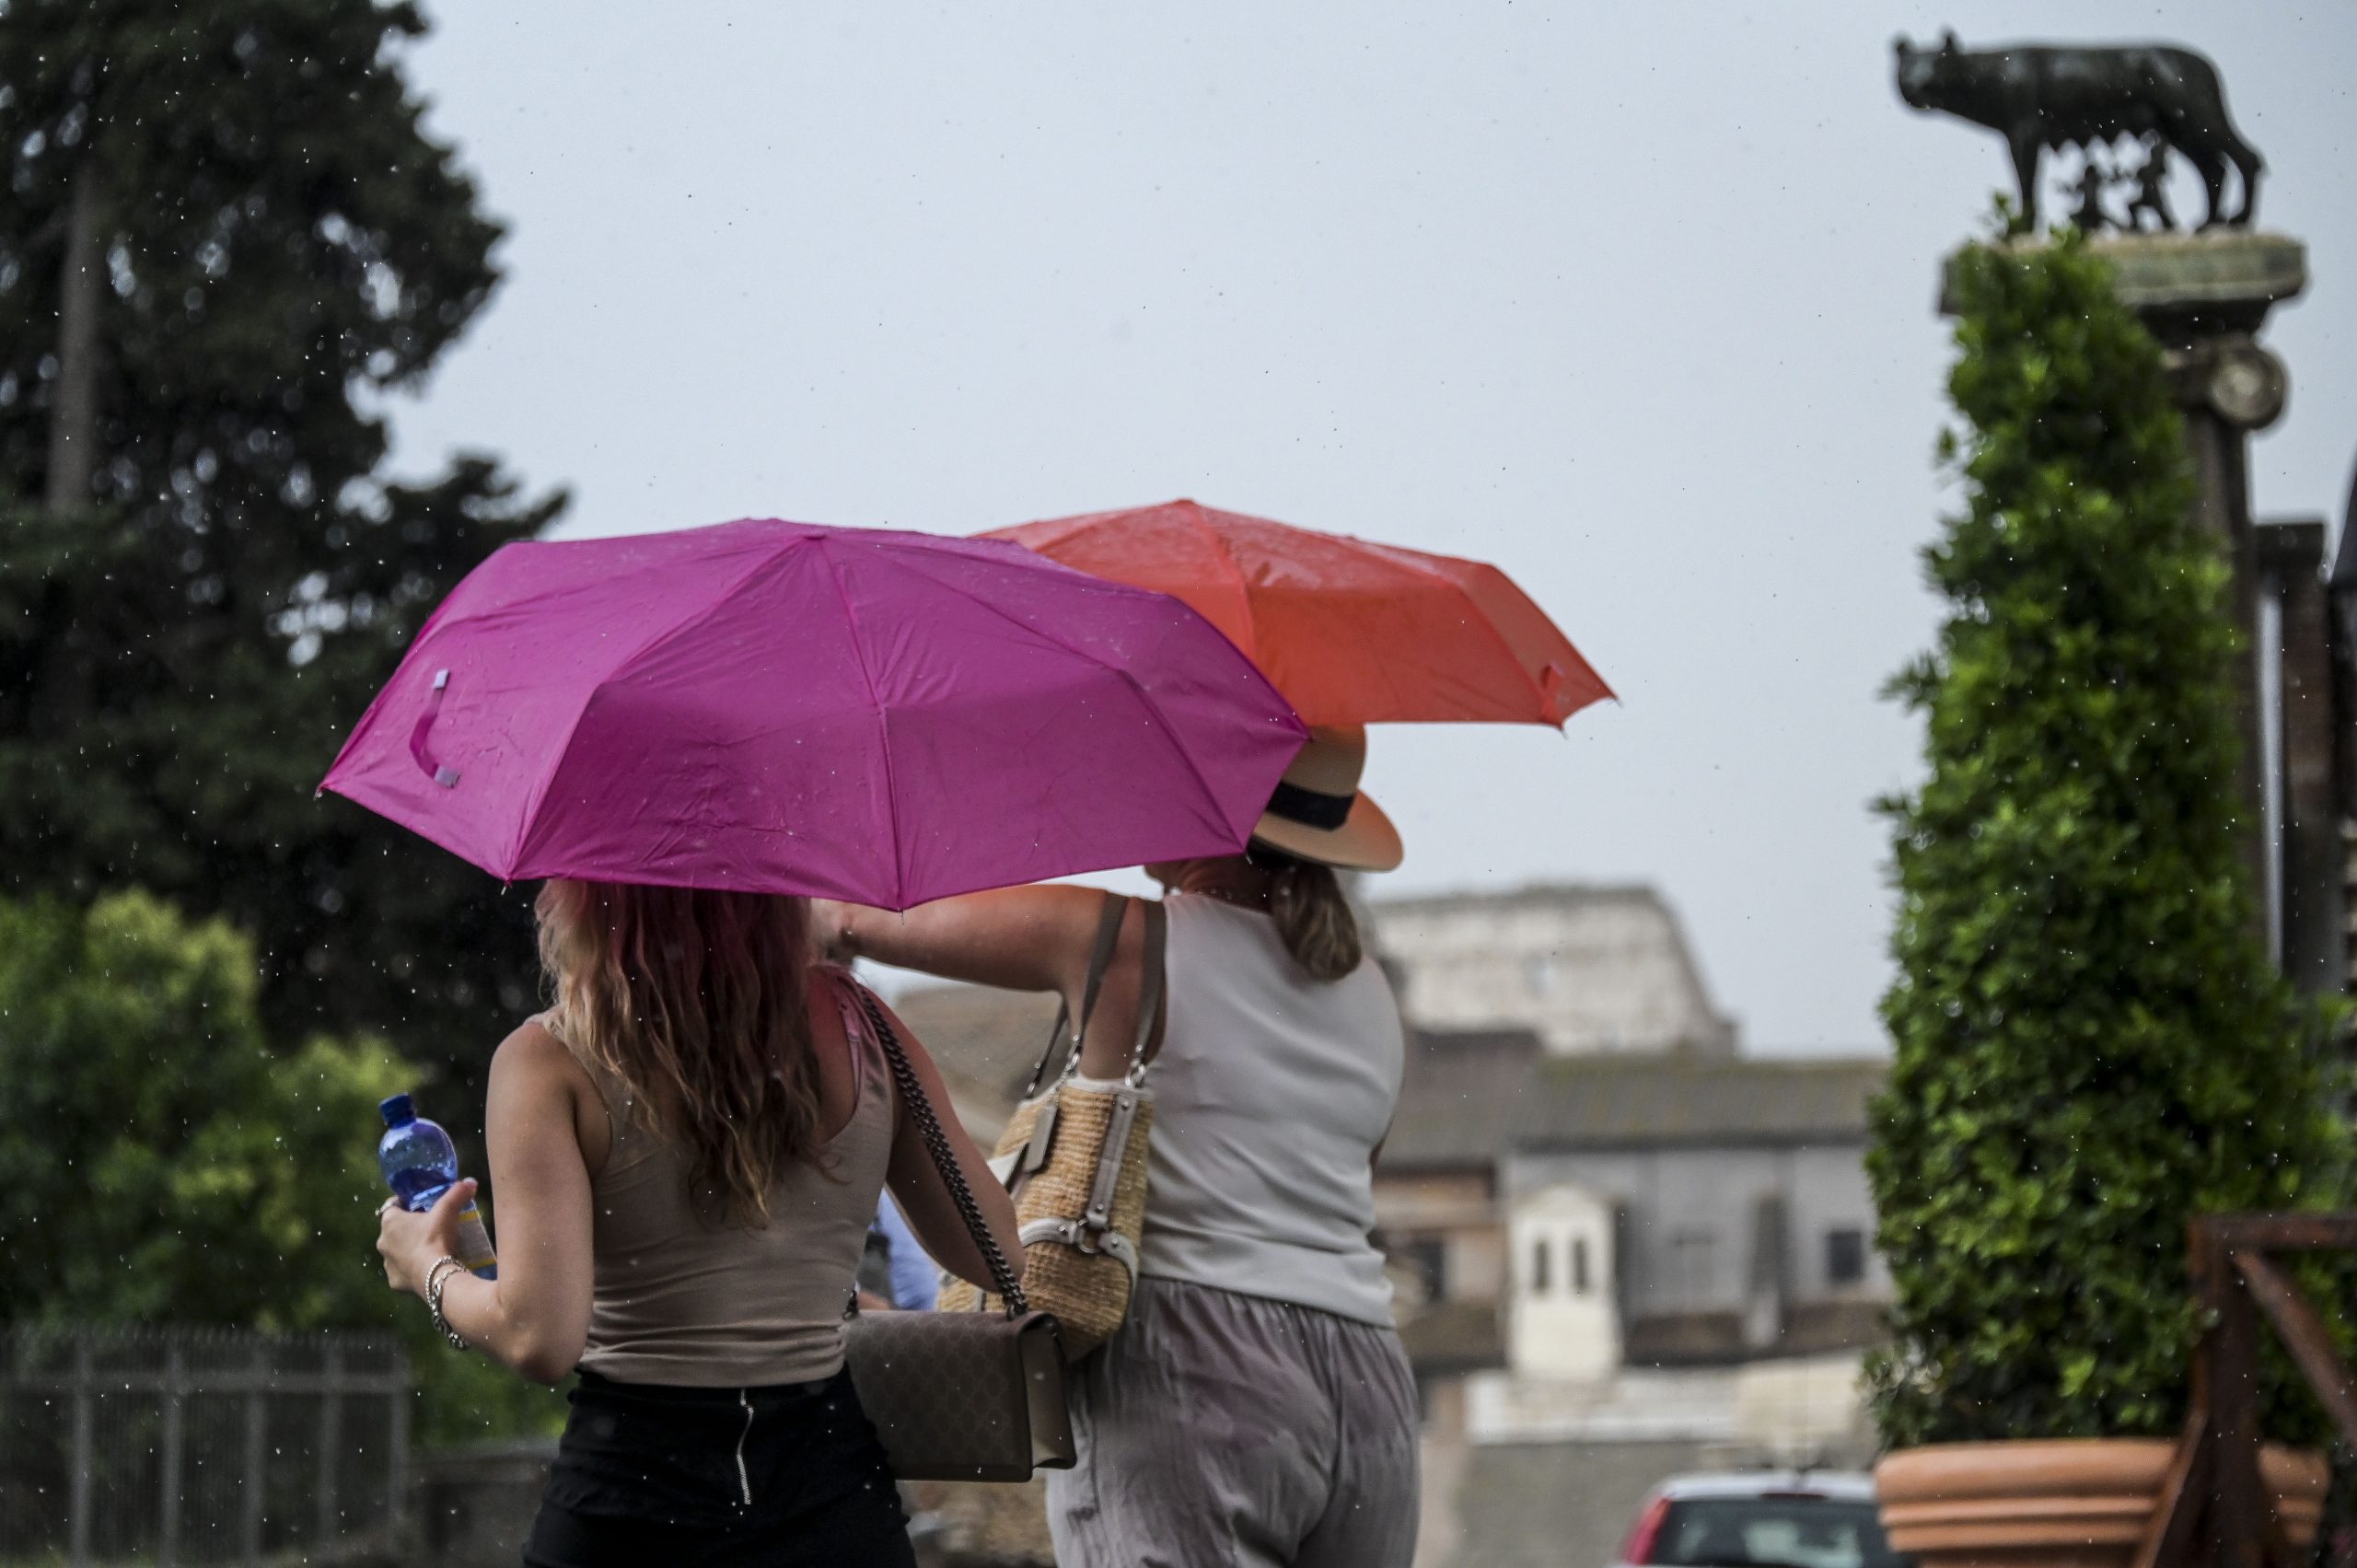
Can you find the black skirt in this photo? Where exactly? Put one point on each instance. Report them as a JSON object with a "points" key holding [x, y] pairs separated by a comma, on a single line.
{"points": [[704, 1477]]}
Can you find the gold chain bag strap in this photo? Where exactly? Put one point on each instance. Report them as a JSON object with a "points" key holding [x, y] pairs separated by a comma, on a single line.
{"points": [[968, 1397], [1075, 1157]]}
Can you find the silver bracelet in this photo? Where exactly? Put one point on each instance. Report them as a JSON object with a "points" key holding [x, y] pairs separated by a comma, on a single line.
{"points": [[436, 1278], [434, 1272]]}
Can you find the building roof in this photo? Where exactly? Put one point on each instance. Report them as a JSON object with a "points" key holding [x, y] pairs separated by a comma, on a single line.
{"points": [[1531, 895], [1619, 1102], [1468, 1096], [1457, 1097]]}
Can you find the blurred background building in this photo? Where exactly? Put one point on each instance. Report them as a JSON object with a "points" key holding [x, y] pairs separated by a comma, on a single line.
{"points": [[1585, 969]]}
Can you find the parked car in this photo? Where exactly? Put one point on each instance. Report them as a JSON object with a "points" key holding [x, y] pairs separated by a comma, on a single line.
{"points": [[1762, 1519]]}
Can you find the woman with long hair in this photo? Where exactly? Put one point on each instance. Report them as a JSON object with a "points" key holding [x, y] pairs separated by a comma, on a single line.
{"points": [[687, 1149], [1256, 1407]]}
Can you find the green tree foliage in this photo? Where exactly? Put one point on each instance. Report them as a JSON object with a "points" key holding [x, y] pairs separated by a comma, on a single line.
{"points": [[160, 1161], [182, 647], [2090, 1043]]}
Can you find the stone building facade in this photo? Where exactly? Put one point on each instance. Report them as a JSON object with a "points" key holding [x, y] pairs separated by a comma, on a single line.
{"points": [[1737, 1220], [1574, 1216], [1588, 970]]}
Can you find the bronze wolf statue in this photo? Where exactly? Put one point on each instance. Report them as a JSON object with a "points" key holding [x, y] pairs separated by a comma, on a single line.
{"points": [[2038, 96]]}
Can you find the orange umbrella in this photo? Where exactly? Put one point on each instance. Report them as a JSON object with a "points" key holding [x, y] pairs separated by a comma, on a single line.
{"points": [[1351, 633]]}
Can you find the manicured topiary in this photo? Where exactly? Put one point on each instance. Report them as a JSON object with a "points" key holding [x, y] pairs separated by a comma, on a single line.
{"points": [[2091, 1044]]}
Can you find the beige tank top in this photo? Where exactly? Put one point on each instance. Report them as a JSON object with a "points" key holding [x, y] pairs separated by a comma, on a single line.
{"points": [[684, 1300]]}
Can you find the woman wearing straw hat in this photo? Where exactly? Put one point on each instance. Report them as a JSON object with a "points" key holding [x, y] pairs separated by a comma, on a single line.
{"points": [[1256, 1407]]}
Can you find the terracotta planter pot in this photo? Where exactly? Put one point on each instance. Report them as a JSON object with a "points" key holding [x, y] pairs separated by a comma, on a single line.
{"points": [[2081, 1502]]}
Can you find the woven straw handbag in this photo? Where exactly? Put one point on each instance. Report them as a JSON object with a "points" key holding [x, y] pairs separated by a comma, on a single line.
{"points": [[1073, 1156], [975, 1396]]}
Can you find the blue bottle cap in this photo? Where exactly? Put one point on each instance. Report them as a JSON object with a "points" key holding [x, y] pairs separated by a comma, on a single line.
{"points": [[397, 1111]]}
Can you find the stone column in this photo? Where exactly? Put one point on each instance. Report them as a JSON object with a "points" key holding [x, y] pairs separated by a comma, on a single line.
{"points": [[2341, 624], [2312, 861], [2205, 296]]}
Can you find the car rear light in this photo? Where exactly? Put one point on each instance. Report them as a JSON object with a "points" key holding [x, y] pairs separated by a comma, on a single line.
{"points": [[1639, 1546]]}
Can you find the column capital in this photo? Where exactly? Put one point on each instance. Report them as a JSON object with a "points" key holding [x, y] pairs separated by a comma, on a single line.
{"points": [[2205, 296], [2185, 286]]}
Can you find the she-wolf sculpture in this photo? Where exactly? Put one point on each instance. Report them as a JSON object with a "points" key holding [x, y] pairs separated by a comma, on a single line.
{"points": [[2039, 96]]}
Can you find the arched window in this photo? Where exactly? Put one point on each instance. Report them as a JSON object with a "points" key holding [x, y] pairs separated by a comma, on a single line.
{"points": [[1538, 1261], [1579, 1265]]}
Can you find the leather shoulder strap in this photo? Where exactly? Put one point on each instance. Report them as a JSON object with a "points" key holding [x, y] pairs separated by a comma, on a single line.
{"points": [[1150, 983], [1100, 958]]}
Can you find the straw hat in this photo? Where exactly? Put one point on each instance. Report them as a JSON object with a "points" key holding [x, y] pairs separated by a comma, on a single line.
{"points": [[1318, 812]]}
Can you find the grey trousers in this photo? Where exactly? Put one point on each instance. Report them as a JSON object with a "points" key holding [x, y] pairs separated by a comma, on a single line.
{"points": [[1225, 1431]]}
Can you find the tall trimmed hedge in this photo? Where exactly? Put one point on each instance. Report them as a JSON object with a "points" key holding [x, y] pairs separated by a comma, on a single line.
{"points": [[2091, 1044]]}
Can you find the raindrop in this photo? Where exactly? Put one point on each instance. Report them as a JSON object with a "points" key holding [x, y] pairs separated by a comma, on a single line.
{"points": [[383, 287]]}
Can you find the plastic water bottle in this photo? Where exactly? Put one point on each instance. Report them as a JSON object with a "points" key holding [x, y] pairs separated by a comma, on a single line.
{"points": [[420, 1162]]}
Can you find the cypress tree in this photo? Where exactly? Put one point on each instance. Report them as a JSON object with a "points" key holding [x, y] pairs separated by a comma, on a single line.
{"points": [[226, 240], [2091, 1045]]}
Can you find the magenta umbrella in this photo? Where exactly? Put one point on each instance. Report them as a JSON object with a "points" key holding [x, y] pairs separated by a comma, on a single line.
{"points": [[857, 713]]}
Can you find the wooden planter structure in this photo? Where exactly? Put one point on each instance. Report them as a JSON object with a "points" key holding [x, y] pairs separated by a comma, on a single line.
{"points": [[2213, 1512]]}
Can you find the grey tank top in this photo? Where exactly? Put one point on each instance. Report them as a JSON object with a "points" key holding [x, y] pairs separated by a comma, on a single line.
{"points": [[686, 1300], [1272, 1092]]}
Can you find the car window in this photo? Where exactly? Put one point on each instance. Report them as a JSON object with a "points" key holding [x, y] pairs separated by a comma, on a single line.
{"points": [[1774, 1532]]}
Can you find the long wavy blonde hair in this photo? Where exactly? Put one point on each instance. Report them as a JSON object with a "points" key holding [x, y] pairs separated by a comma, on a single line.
{"points": [[697, 1001]]}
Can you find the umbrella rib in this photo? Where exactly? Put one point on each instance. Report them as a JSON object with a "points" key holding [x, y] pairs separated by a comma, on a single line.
{"points": [[883, 728], [1170, 730], [1409, 559], [1226, 557], [654, 640]]}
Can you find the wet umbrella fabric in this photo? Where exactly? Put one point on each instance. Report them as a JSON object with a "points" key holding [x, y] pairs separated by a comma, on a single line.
{"points": [[1351, 631], [866, 715]]}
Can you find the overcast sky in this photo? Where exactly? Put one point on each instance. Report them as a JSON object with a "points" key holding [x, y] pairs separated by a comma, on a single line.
{"points": [[1633, 300]]}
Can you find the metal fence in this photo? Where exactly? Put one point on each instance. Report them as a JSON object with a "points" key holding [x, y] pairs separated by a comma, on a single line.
{"points": [[175, 1447]]}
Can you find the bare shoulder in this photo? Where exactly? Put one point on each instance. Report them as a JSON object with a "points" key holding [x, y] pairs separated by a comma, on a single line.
{"points": [[532, 1057]]}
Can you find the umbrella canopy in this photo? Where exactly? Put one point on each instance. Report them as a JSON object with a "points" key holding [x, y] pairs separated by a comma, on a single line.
{"points": [[865, 715], [1351, 633]]}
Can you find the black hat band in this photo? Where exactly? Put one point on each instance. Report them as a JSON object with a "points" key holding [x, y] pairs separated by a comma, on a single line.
{"points": [[1311, 808]]}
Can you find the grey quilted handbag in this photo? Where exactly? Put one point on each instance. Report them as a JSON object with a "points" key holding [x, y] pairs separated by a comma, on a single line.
{"points": [[959, 1396]]}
